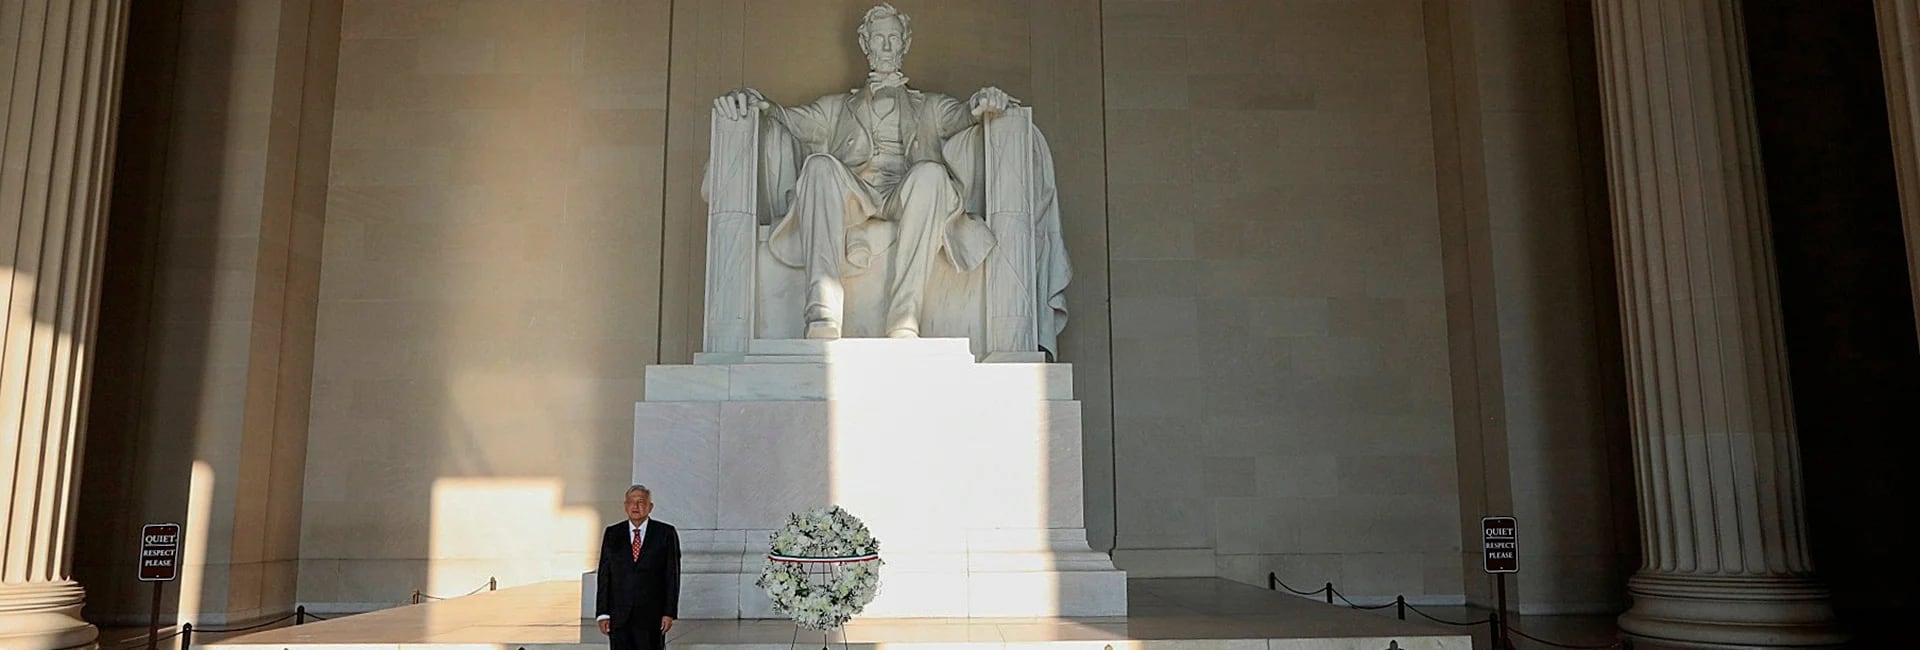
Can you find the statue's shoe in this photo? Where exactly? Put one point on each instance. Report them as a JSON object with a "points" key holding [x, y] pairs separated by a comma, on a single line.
{"points": [[823, 329], [903, 333]]}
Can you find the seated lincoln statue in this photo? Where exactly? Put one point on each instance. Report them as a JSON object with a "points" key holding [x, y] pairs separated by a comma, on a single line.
{"points": [[888, 177]]}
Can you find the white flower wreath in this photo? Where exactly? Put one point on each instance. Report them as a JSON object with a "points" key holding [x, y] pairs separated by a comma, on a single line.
{"points": [[830, 541]]}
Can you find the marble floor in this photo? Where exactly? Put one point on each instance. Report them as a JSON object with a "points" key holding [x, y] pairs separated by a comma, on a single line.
{"points": [[1164, 614]]}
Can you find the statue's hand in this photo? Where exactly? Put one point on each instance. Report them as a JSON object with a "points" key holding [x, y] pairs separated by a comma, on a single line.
{"points": [[734, 105], [991, 101]]}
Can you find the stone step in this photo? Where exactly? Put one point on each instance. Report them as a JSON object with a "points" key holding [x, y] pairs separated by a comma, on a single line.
{"points": [[948, 347], [824, 351], [858, 379], [929, 594]]}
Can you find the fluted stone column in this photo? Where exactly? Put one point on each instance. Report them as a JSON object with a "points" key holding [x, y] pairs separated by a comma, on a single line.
{"points": [[63, 58], [1899, 25], [1723, 530]]}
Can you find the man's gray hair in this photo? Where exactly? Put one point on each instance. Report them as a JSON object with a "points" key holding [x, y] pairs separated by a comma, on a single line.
{"points": [[639, 488], [884, 10]]}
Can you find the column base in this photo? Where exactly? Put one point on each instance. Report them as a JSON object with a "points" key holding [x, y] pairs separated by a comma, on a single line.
{"points": [[1686, 611], [44, 616]]}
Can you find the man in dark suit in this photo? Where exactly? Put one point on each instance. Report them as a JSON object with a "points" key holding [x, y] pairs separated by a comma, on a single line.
{"points": [[639, 577]]}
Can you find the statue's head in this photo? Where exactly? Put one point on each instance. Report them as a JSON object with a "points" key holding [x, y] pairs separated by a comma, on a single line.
{"points": [[885, 35]]}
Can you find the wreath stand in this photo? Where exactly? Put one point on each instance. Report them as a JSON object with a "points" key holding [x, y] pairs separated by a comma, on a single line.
{"points": [[822, 573]]}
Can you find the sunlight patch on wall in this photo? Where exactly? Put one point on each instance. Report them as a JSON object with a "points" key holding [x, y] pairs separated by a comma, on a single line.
{"points": [[193, 551], [514, 529]]}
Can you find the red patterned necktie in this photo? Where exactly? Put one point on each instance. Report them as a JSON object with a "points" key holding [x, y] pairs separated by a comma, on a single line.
{"points": [[636, 545]]}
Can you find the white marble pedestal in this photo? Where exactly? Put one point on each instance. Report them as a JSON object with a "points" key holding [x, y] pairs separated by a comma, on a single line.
{"points": [[968, 473]]}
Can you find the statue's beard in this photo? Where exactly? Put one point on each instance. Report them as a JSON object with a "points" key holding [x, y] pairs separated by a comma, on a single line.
{"points": [[883, 62]]}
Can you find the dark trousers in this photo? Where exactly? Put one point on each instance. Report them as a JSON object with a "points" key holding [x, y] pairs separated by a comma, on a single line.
{"points": [[640, 633]]}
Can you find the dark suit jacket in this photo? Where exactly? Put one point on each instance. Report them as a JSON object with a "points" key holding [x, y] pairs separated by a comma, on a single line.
{"points": [[639, 592]]}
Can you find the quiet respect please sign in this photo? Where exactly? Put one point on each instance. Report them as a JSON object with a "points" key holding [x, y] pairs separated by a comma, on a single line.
{"points": [[1498, 540], [159, 552]]}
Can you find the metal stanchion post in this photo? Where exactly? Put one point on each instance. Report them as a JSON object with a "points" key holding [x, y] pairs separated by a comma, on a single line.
{"points": [[1400, 606], [1500, 641], [492, 584], [1272, 581], [1329, 593], [186, 636], [153, 621], [416, 596], [300, 615]]}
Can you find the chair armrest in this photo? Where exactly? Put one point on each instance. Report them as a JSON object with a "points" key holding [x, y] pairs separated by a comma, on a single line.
{"points": [[1012, 283], [732, 231]]}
